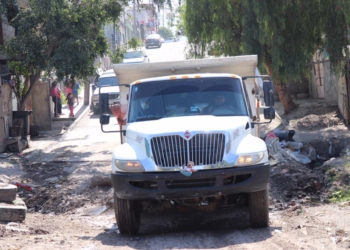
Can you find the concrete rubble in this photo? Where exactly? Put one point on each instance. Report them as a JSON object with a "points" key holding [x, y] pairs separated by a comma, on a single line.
{"points": [[12, 208]]}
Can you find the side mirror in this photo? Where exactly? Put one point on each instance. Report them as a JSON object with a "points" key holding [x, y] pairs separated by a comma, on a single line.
{"points": [[268, 94], [104, 119], [93, 87], [269, 113], [104, 103]]}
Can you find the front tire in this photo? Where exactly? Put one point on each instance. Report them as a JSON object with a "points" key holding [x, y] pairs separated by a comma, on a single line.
{"points": [[96, 110], [259, 208], [128, 215]]}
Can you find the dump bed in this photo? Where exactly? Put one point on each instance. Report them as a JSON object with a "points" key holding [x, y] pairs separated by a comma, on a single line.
{"points": [[238, 65]]}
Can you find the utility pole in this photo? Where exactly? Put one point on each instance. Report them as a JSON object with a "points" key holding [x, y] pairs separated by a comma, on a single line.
{"points": [[134, 10], [163, 15]]}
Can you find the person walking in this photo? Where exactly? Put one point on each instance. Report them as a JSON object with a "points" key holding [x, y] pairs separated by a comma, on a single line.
{"points": [[75, 92], [55, 94], [70, 101], [68, 88]]}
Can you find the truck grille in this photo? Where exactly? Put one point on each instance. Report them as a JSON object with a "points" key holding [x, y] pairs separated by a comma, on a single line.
{"points": [[175, 151]]}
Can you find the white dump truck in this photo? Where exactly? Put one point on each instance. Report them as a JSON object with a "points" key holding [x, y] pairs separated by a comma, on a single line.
{"points": [[190, 137]]}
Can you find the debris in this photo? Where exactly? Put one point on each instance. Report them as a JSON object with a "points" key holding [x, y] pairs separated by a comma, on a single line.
{"points": [[52, 180], [298, 157], [331, 150], [292, 145], [270, 135], [13, 226], [101, 181], [26, 187], [284, 136], [96, 210]]}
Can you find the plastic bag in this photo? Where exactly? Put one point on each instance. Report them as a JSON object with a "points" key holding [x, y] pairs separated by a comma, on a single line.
{"points": [[298, 157]]}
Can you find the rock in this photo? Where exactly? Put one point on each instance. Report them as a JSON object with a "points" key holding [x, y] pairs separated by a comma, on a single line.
{"points": [[345, 151], [101, 181], [15, 227], [13, 211], [340, 232], [7, 192], [51, 180]]}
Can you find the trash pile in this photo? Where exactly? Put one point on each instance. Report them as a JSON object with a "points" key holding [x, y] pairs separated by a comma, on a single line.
{"points": [[282, 147]]}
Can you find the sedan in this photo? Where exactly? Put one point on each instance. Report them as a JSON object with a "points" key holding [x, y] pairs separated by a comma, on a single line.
{"points": [[153, 41]]}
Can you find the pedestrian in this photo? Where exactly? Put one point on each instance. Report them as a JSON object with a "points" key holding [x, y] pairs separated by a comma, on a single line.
{"points": [[76, 92], [55, 94], [70, 101], [68, 88]]}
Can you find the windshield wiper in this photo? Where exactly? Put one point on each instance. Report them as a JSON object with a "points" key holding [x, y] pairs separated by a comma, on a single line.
{"points": [[149, 118]]}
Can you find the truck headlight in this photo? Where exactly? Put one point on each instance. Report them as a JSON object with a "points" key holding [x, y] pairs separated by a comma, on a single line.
{"points": [[130, 166], [249, 159], [96, 97]]}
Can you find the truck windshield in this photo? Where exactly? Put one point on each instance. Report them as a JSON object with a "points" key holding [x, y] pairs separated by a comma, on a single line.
{"points": [[108, 81], [218, 96]]}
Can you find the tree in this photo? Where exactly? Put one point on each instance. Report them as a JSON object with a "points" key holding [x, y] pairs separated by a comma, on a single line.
{"points": [[165, 32], [61, 36], [284, 34]]}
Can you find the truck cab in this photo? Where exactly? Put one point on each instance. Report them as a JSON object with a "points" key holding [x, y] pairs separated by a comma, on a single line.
{"points": [[189, 137]]}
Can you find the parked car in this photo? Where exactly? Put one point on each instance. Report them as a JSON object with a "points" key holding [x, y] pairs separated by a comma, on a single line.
{"points": [[153, 40], [161, 39], [135, 56], [108, 78], [170, 39]]}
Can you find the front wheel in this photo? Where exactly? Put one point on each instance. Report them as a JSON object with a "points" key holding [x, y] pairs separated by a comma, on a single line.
{"points": [[259, 208], [128, 215]]}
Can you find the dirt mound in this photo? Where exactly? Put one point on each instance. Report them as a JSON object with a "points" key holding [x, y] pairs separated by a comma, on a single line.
{"points": [[337, 178], [312, 122], [294, 183], [55, 190]]}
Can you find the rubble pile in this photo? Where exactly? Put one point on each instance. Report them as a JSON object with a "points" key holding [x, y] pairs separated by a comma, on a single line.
{"points": [[301, 175], [12, 208]]}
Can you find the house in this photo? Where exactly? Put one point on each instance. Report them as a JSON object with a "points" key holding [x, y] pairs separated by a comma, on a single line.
{"points": [[7, 31]]}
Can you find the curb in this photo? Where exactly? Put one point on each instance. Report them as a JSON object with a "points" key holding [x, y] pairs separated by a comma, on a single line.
{"points": [[74, 124], [34, 155]]}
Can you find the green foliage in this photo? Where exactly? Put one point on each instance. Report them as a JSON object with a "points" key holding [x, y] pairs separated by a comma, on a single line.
{"points": [[165, 32], [340, 195], [119, 55], [283, 34], [64, 36], [135, 43]]}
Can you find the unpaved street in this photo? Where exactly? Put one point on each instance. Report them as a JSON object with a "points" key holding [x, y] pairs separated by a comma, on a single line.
{"points": [[70, 204]]}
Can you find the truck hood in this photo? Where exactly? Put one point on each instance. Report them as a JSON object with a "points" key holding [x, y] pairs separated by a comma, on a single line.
{"points": [[109, 89], [179, 125], [134, 60]]}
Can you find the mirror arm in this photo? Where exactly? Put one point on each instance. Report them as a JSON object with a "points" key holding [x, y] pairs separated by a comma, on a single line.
{"points": [[257, 123], [112, 131]]}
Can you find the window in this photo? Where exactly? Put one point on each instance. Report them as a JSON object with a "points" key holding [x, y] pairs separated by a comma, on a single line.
{"points": [[108, 81], [133, 54], [218, 96]]}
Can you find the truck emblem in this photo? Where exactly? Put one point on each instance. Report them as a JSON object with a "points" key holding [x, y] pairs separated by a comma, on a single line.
{"points": [[187, 134]]}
